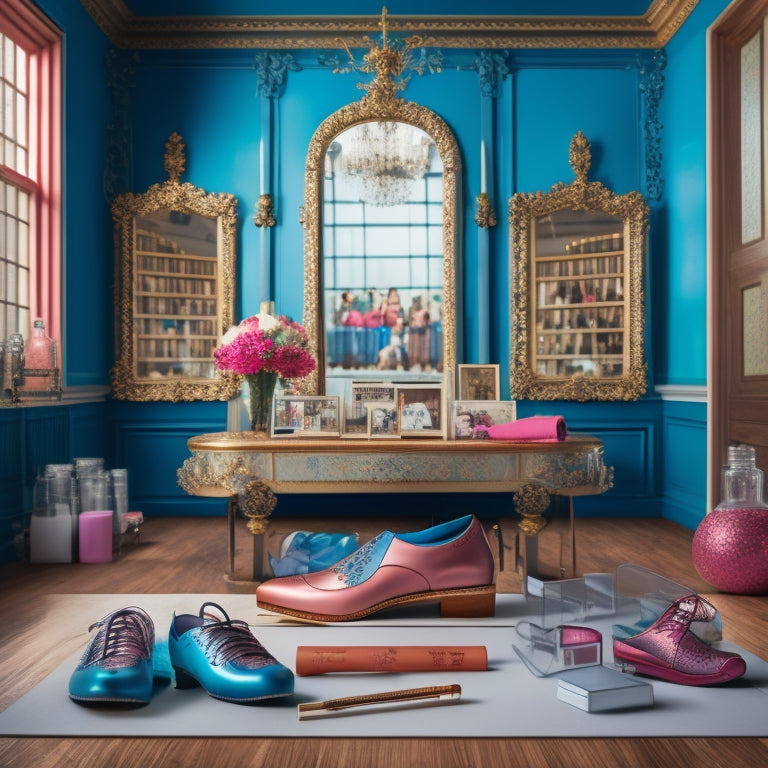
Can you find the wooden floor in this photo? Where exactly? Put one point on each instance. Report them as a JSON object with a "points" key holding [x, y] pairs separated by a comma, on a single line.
{"points": [[190, 556]]}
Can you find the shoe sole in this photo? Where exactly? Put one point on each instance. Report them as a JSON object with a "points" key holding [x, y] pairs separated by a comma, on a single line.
{"points": [[633, 660], [464, 603], [107, 700]]}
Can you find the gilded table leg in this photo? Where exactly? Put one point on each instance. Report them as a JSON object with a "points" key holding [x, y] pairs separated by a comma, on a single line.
{"points": [[257, 503]]}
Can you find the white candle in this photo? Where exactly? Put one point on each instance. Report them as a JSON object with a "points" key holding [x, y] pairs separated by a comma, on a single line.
{"points": [[261, 167], [482, 167]]}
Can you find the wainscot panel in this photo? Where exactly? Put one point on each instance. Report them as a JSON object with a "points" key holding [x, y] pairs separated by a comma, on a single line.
{"points": [[685, 452]]}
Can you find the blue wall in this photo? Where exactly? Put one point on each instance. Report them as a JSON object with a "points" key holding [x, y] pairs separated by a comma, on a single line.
{"points": [[680, 271], [658, 447]]}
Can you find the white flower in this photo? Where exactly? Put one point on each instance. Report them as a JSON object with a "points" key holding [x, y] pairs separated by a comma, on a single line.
{"points": [[266, 323]]}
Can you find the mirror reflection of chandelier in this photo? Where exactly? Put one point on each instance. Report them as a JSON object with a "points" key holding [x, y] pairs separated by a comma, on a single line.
{"points": [[385, 159]]}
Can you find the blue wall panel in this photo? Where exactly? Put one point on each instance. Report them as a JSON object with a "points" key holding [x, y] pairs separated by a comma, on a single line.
{"points": [[150, 441], [11, 484], [685, 462], [88, 431], [551, 105], [680, 335]]}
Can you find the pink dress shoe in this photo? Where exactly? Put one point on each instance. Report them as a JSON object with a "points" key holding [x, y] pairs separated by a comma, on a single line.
{"points": [[451, 562], [670, 651]]}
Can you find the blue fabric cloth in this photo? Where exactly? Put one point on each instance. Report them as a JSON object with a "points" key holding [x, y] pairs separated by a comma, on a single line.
{"points": [[310, 552]]}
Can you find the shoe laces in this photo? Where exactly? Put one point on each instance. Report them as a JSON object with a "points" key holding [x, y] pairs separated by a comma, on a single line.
{"points": [[231, 640], [684, 611], [122, 636]]}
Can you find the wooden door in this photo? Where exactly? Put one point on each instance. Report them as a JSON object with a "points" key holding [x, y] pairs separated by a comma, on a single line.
{"points": [[739, 235]]}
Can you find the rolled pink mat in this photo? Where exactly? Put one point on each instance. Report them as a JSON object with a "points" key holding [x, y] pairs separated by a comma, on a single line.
{"points": [[95, 536], [538, 429]]}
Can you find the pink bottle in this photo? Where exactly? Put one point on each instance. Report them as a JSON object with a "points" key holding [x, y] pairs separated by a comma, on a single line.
{"points": [[40, 354]]}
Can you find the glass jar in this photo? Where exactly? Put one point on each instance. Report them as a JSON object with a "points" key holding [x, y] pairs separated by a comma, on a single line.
{"points": [[119, 506]]}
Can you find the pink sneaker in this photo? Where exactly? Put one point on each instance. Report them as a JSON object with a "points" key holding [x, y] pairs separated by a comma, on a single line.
{"points": [[670, 651], [451, 562]]}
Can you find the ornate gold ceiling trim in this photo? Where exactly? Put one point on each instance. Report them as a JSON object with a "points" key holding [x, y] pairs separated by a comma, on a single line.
{"points": [[651, 30]]}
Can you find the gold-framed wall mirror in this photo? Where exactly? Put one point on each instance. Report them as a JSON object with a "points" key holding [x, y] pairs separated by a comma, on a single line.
{"points": [[379, 217], [577, 293], [174, 288]]}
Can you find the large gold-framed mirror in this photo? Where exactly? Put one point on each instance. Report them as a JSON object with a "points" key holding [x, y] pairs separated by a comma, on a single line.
{"points": [[381, 233], [174, 288], [577, 294]]}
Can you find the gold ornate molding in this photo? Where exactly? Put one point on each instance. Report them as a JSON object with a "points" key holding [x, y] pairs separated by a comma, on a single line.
{"points": [[653, 29], [526, 380], [485, 216], [265, 213]]}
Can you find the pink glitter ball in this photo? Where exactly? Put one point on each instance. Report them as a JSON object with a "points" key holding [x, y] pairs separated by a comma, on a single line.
{"points": [[730, 550]]}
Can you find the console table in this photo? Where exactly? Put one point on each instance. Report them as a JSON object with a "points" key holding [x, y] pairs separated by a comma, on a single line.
{"points": [[224, 463]]}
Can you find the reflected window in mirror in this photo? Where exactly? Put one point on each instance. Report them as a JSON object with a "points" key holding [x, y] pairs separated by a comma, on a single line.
{"points": [[383, 252]]}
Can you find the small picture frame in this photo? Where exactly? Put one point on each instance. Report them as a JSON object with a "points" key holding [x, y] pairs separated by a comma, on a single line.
{"points": [[362, 393], [478, 382], [420, 410], [305, 416], [382, 420], [465, 415]]}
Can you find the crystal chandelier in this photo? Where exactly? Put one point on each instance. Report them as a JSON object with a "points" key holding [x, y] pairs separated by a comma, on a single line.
{"points": [[384, 160]]}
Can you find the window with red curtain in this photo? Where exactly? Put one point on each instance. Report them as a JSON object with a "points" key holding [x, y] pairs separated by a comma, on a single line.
{"points": [[30, 170]]}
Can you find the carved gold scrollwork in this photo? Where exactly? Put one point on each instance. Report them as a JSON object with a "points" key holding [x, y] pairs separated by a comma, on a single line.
{"points": [[256, 502], [160, 318], [485, 216], [620, 373], [530, 502], [265, 216]]}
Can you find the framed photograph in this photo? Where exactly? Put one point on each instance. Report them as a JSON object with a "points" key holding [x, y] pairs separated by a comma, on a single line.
{"points": [[478, 382], [382, 419], [362, 393], [465, 415], [420, 410], [304, 416]]}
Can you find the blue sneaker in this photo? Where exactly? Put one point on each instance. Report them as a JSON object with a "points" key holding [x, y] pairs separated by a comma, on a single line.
{"points": [[225, 658], [116, 667]]}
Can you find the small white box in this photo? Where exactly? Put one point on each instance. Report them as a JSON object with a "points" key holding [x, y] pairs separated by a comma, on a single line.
{"points": [[599, 688]]}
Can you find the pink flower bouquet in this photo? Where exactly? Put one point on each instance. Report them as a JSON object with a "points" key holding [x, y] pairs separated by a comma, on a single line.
{"points": [[263, 348], [265, 343]]}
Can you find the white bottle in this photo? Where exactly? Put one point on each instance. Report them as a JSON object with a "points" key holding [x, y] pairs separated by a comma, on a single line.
{"points": [[40, 354]]}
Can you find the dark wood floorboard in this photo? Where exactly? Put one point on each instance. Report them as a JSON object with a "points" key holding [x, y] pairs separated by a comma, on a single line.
{"points": [[190, 556]]}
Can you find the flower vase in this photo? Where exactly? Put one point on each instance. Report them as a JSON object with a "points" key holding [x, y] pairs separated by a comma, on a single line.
{"points": [[261, 391]]}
